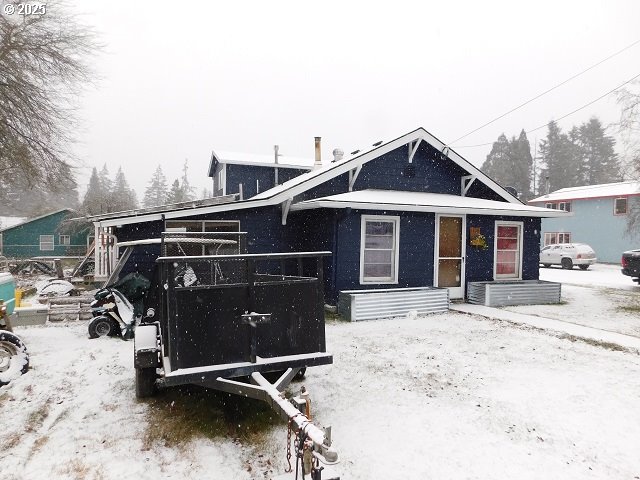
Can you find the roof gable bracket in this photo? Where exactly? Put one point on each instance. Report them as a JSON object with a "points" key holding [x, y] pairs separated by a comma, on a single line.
{"points": [[353, 176], [285, 210], [466, 182], [413, 148]]}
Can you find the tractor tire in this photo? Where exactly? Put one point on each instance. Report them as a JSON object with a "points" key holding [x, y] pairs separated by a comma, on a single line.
{"points": [[14, 359], [101, 327]]}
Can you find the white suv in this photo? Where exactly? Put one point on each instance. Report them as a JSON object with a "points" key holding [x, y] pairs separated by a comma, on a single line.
{"points": [[567, 255]]}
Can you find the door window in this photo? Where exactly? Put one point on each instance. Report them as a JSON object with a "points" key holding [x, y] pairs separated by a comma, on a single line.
{"points": [[508, 250]]}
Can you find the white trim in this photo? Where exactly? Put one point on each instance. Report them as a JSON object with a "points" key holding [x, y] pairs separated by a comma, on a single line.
{"points": [[454, 292], [465, 183], [413, 148], [285, 210], [353, 176], [224, 179], [504, 223], [396, 247]]}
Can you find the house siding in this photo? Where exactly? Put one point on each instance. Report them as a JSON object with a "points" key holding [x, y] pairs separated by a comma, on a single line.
{"points": [[23, 241], [248, 174], [594, 223]]}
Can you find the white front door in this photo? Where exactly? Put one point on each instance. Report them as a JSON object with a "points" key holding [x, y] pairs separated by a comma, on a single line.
{"points": [[449, 254]]}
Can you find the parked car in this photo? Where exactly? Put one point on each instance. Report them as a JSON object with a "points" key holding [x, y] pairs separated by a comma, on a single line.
{"points": [[631, 264], [567, 255]]}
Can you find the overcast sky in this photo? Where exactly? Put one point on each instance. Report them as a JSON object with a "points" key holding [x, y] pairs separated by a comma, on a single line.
{"points": [[183, 78]]}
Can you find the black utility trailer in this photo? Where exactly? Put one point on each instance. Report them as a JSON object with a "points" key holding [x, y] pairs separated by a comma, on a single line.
{"points": [[222, 321]]}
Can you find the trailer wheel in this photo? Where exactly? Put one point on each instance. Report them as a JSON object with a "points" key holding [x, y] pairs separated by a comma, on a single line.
{"points": [[101, 327], [14, 359], [145, 382], [300, 374]]}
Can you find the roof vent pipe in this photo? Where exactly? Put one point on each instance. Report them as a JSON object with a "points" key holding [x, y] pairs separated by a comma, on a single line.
{"points": [[337, 154], [318, 162]]}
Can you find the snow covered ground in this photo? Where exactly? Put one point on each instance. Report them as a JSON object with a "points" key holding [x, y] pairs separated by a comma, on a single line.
{"points": [[450, 396]]}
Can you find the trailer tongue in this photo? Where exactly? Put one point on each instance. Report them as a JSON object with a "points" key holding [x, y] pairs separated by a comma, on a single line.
{"points": [[201, 326]]}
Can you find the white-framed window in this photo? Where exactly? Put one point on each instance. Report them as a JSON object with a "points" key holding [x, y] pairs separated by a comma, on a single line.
{"points": [[620, 206], [551, 238], [65, 240], [508, 250], [46, 243], [551, 205], [379, 242], [566, 206]]}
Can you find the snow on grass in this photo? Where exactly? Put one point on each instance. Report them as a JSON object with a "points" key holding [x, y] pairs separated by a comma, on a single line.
{"points": [[443, 396]]}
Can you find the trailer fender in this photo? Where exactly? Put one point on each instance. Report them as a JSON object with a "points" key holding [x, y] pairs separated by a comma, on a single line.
{"points": [[147, 346]]}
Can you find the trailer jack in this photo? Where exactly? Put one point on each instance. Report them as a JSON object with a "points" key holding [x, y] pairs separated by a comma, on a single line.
{"points": [[312, 444]]}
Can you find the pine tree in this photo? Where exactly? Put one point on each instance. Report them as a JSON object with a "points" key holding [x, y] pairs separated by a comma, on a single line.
{"points": [[175, 194], [94, 199], [510, 164], [156, 192], [559, 159], [187, 189], [600, 163], [123, 198]]}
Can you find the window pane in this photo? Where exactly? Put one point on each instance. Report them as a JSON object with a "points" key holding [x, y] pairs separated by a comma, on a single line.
{"points": [[379, 228], [376, 270], [505, 256], [377, 256], [450, 239], [511, 232], [507, 243], [506, 268], [378, 241], [449, 273]]}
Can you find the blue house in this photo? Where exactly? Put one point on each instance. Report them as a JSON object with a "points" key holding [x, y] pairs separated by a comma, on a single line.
{"points": [[409, 212], [598, 217]]}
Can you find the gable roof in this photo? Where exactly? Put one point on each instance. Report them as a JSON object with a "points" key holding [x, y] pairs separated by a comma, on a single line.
{"points": [[289, 189], [619, 189], [260, 160], [393, 200], [29, 220]]}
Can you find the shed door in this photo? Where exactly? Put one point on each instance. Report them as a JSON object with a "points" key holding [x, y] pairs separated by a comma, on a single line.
{"points": [[449, 258]]}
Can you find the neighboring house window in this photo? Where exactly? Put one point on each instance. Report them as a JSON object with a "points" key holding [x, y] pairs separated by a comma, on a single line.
{"points": [[551, 238], [46, 242], [566, 206], [552, 206], [508, 258], [379, 249], [65, 240], [620, 207]]}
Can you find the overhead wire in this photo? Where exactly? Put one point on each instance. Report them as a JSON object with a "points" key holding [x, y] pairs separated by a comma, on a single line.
{"points": [[565, 115], [545, 92]]}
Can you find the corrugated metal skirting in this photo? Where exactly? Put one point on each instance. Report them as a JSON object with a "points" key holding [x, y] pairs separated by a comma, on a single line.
{"points": [[522, 292], [357, 305]]}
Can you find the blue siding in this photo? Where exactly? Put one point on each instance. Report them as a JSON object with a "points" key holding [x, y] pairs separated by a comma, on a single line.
{"points": [[247, 175], [594, 223]]}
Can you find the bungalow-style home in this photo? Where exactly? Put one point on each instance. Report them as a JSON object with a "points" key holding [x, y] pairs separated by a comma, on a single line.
{"points": [[43, 237], [249, 174], [598, 218], [409, 212]]}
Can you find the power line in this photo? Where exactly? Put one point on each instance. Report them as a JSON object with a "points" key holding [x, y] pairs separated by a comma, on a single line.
{"points": [[544, 93], [565, 115]]}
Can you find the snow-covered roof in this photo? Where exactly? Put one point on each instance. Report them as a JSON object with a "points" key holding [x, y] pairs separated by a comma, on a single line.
{"points": [[391, 200], [7, 222], [29, 220], [284, 161], [301, 183], [619, 189]]}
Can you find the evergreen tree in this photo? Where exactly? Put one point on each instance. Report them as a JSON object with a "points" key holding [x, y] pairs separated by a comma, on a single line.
{"points": [[123, 198], [510, 164], [206, 193], [94, 201], [106, 184], [156, 192], [600, 163], [175, 194], [559, 161]]}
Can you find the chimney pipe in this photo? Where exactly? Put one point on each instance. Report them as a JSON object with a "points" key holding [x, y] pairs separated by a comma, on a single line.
{"points": [[318, 162]]}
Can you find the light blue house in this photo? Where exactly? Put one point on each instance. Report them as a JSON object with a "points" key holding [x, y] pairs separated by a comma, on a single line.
{"points": [[599, 218]]}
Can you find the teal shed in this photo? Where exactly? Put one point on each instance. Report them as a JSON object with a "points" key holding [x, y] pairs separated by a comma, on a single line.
{"points": [[43, 237]]}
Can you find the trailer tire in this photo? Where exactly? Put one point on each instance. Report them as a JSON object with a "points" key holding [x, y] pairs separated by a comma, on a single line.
{"points": [[14, 359], [145, 382], [101, 327], [300, 375]]}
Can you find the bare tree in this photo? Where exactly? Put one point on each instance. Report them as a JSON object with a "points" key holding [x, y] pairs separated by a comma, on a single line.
{"points": [[43, 67], [629, 125]]}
